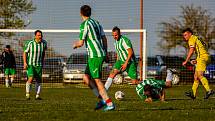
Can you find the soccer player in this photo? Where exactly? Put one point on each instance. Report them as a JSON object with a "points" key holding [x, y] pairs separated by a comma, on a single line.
{"points": [[203, 58], [152, 89], [9, 64], [33, 58], [126, 60], [92, 34]]}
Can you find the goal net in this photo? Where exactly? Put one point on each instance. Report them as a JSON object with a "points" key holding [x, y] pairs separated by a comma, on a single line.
{"points": [[62, 63]]}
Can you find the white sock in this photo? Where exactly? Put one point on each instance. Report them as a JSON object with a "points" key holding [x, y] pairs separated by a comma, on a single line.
{"points": [[28, 87], [11, 80], [6, 82], [37, 88], [108, 83], [169, 76]]}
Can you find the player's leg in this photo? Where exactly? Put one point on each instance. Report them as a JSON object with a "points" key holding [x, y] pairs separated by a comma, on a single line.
{"points": [[95, 66], [30, 74], [13, 72], [200, 68], [195, 84], [132, 72], [113, 73], [192, 94], [169, 78], [91, 83], [38, 77], [6, 73]]}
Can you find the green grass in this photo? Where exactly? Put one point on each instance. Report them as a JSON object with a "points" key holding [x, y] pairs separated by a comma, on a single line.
{"points": [[77, 104]]}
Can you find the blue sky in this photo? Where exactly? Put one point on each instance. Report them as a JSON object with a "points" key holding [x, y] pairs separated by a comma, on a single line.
{"points": [[64, 14]]}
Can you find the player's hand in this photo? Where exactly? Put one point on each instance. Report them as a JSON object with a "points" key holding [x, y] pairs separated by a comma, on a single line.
{"points": [[74, 46], [148, 100], [193, 62], [123, 67], [184, 63]]}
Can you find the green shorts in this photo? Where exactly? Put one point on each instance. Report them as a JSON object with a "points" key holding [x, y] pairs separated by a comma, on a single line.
{"points": [[10, 71], [35, 72], [131, 68], [94, 67]]}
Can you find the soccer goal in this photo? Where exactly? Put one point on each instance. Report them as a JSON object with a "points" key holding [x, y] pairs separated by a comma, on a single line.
{"points": [[60, 53]]}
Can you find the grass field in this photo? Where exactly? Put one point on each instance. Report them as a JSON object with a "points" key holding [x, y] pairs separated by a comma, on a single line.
{"points": [[77, 104]]}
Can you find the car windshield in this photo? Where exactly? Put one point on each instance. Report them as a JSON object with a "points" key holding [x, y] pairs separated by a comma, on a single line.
{"points": [[152, 61], [173, 60], [51, 61], [77, 59]]}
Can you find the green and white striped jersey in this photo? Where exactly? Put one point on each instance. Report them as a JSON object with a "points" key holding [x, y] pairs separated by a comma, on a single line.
{"points": [[91, 32], [121, 47], [35, 51], [157, 85]]}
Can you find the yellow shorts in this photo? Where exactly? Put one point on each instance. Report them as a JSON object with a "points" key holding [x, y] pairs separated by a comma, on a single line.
{"points": [[202, 62]]}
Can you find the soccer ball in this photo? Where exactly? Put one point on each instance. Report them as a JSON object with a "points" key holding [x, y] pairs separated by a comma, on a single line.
{"points": [[119, 95], [118, 79], [175, 79]]}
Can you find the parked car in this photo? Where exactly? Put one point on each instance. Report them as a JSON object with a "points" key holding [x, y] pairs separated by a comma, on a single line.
{"points": [[185, 73], [53, 69], [73, 72], [155, 66], [210, 70]]}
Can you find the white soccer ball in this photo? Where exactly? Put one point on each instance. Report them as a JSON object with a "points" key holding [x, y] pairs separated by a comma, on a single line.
{"points": [[119, 95], [175, 79], [118, 79]]}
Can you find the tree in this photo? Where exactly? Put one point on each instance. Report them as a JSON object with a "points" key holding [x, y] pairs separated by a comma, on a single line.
{"points": [[13, 14], [198, 19]]}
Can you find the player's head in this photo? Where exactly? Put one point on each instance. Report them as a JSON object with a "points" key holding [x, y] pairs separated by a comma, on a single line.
{"points": [[116, 33], [85, 10], [187, 33], [38, 35], [7, 47], [148, 90]]}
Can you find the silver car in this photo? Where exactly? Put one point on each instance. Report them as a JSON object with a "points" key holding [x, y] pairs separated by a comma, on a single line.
{"points": [[75, 67], [73, 72]]}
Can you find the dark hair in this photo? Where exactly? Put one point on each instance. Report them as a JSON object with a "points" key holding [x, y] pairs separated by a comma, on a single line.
{"points": [[187, 30], [7, 46], [39, 32], [85, 10], [148, 88], [115, 28]]}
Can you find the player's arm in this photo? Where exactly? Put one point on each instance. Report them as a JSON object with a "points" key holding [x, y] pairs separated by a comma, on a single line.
{"points": [[82, 36], [190, 53], [105, 46], [25, 60], [44, 51], [78, 44], [162, 96]]}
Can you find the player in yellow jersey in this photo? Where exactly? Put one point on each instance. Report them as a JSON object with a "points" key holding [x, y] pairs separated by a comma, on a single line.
{"points": [[203, 58]]}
